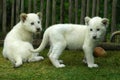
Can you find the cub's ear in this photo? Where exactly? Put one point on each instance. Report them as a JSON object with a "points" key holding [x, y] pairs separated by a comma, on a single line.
{"points": [[23, 17], [105, 22], [39, 14], [87, 19]]}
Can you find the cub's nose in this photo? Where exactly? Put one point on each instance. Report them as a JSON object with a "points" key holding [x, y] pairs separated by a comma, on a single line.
{"points": [[94, 37], [38, 29]]}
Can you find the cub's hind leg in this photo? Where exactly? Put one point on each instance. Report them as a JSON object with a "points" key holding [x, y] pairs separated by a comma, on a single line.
{"points": [[56, 52]]}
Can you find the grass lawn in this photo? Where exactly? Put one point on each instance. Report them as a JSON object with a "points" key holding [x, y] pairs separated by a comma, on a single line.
{"points": [[109, 68]]}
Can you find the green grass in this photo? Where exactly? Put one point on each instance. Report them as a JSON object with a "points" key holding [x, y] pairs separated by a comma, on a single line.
{"points": [[109, 68]]}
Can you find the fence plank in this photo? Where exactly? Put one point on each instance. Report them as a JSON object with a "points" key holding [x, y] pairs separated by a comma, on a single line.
{"points": [[48, 13], [87, 8], [35, 5], [70, 11], [4, 29], [61, 11], [12, 13], [29, 6], [83, 6], [113, 25], [76, 11], [17, 10], [54, 12], [22, 6], [93, 7], [42, 10], [97, 7], [105, 8], [1, 10], [42, 6]]}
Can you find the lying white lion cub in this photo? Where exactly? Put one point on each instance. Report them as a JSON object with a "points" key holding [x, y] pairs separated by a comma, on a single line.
{"points": [[18, 41], [74, 36]]}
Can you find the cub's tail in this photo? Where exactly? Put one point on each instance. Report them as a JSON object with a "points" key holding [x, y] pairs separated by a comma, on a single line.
{"points": [[43, 43]]}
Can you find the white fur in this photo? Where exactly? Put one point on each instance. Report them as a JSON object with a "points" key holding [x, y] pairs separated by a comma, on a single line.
{"points": [[18, 41], [74, 36]]}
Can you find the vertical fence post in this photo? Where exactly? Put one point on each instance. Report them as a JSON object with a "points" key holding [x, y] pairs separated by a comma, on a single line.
{"points": [[42, 6], [105, 8], [113, 25], [93, 7], [35, 5], [12, 13], [22, 6], [17, 10], [105, 16], [4, 21], [1, 10], [87, 8], [76, 11], [61, 11], [54, 12], [29, 6], [83, 6], [47, 13], [97, 7], [70, 11], [42, 10]]}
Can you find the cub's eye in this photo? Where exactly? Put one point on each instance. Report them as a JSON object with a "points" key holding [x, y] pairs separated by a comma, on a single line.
{"points": [[32, 23], [38, 22], [91, 29], [98, 29]]}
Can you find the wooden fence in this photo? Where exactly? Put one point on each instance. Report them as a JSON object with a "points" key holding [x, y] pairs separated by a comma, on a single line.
{"points": [[57, 11]]}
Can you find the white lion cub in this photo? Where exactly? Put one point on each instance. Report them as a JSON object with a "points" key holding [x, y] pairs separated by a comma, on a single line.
{"points": [[18, 41], [74, 36]]}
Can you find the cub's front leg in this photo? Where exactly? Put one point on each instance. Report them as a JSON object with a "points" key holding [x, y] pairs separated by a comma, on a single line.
{"points": [[88, 51]]}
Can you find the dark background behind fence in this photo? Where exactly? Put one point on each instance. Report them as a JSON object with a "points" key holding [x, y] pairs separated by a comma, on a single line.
{"points": [[59, 11]]}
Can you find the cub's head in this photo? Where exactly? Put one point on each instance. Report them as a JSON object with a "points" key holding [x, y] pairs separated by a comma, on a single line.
{"points": [[31, 22], [96, 27]]}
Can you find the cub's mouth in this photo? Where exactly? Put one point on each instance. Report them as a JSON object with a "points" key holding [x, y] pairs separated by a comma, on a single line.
{"points": [[95, 38]]}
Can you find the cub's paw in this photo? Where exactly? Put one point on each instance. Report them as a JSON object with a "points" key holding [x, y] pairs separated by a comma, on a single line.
{"points": [[17, 65], [60, 66], [39, 58], [92, 65]]}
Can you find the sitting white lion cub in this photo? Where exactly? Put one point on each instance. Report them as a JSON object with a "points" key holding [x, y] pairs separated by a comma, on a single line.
{"points": [[18, 41], [74, 36]]}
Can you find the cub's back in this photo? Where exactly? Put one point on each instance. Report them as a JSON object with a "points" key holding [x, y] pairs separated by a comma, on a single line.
{"points": [[67, 28]]}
